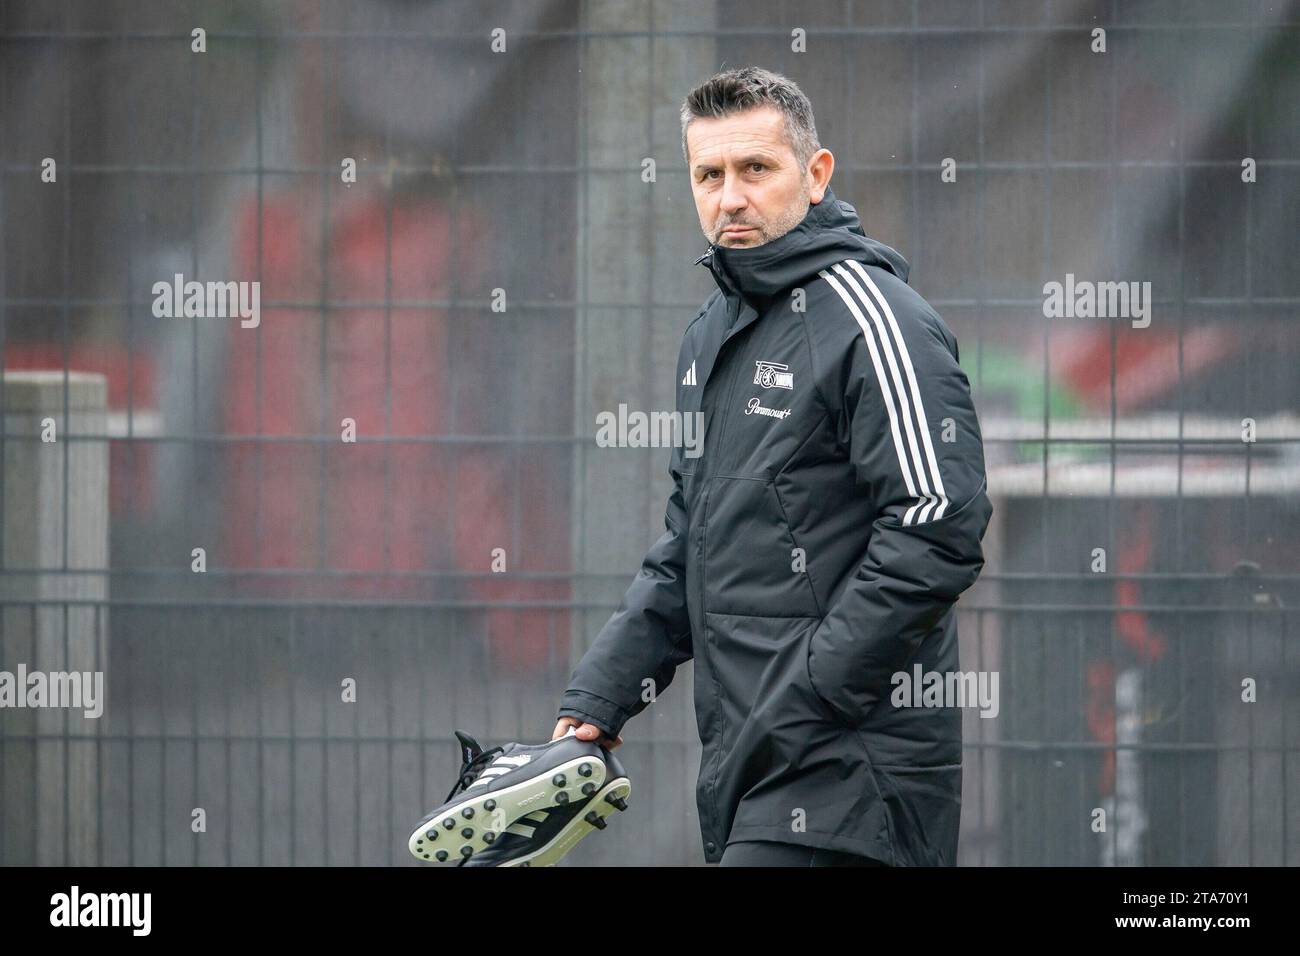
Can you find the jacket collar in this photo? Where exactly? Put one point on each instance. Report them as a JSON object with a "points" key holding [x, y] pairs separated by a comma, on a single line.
{"points": [[829, 232]]}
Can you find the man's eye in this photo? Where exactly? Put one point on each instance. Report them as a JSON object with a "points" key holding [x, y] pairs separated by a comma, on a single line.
{"points": [[759, 167]]}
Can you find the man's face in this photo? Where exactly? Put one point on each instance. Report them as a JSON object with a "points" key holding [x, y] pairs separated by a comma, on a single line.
{"points": [[749, 187]]}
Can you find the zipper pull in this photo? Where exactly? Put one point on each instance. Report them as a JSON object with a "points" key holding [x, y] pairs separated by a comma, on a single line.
{"points": [[707, 252]]}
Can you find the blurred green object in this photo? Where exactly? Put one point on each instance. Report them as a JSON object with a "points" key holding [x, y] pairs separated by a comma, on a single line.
{"points": [[1004, 382]]}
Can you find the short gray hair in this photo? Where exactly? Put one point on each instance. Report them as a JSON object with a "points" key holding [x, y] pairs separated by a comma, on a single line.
{"points": [[750, 87]]}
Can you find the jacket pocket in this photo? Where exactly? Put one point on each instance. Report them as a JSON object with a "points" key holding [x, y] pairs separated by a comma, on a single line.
{"points": [[783, 749], [759, 674], [749, 553], [829, 712]]}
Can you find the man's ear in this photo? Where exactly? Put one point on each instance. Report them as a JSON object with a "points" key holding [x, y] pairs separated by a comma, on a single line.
{"points": [[820, 166]]}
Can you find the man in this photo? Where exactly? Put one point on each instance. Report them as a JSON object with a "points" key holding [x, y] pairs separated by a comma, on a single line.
{"points": [[817, 545]]}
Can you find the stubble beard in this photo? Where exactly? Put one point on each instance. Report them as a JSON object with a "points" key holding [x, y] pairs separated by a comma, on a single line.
{"points": [[789, 218]]}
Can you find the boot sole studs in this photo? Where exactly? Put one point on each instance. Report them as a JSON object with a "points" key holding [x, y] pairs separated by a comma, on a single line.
{"points": [[493, 814], [610, 799]]}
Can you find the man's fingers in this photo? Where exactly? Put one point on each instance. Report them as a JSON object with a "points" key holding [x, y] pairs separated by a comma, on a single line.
{"points": [[585, 732]]}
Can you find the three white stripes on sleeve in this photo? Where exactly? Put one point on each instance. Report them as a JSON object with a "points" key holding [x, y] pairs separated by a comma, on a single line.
{"points": [[917, 460]]}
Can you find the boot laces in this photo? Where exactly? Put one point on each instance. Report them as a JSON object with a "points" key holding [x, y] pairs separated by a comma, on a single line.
{"points": [[470, 771]]}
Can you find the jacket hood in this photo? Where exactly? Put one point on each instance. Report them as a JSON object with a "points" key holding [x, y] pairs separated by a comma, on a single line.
{"points": [[830, 232]]}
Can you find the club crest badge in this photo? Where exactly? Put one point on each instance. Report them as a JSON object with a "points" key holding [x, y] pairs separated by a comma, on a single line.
{"points": [[773, 375]]}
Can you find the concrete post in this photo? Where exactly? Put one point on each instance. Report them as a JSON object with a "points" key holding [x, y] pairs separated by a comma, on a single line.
{"points": [[55, 545], [635, 251]]}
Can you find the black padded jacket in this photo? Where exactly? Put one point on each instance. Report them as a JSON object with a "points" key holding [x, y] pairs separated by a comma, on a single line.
{"points": [[814, 549]]}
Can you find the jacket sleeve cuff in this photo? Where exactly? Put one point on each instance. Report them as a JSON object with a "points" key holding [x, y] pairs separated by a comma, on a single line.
{"points": [[592, 709]]}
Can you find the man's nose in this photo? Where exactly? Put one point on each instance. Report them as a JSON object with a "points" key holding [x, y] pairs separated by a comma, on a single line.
{"points": [[733, 196]]}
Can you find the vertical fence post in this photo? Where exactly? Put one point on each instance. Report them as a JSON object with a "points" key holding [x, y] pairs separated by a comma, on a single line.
{"points": [[635, 249]]}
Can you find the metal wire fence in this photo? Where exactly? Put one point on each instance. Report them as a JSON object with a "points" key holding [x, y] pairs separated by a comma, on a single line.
{"points": [[301, 552]]}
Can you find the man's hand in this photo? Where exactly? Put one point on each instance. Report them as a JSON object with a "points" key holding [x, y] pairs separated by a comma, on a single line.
{"points": [[584, 732]]}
